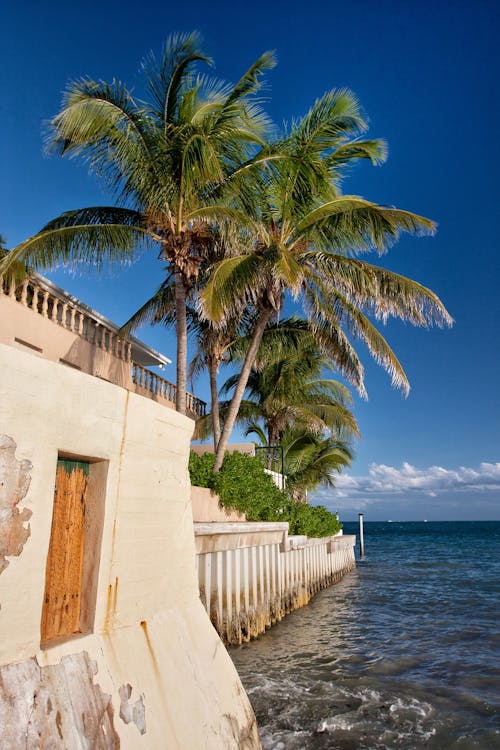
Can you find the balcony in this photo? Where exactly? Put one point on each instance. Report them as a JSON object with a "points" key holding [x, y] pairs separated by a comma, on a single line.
{"points": [[40, 317]]}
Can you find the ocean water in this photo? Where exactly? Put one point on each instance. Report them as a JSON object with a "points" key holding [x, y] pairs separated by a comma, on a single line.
{"points": [[403, 653]]}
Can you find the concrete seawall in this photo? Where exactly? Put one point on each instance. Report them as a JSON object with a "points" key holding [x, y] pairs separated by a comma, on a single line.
{"points": [[139, 666], [252, 574]]}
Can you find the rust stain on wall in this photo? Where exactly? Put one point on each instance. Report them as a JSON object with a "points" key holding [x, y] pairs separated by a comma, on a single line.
{"points": [[55, 706], [144, 626], [111, 602], [135, 712], [14, 484]]}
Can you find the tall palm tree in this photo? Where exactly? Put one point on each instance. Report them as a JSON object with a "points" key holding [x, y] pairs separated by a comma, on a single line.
{"points": [[166, 160], [306, 236]]}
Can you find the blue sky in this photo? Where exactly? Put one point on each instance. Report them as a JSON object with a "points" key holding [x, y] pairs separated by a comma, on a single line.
{"points": [[426, 74]]}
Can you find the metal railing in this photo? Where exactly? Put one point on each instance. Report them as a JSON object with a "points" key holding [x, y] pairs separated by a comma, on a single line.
{"points": [[273, 458]]}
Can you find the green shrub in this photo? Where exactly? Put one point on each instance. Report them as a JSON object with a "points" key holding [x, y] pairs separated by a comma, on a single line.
{"points": [[243, 484], [312, 520], [201, 469]]}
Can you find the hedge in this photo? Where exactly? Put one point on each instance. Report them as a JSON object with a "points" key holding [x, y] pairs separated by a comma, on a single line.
{"points": [[243, 485]]}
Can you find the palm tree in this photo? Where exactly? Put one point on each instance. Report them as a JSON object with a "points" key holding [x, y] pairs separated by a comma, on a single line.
{"points": [[286, 387], [312, 460], [306, 236], [166, 160], [213, 345]]}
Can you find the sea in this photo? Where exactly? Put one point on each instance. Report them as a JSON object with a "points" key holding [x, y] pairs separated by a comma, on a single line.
{"points": [[403, 653]]}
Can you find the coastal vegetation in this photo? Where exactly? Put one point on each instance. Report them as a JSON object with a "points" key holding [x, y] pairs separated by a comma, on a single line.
{"points": [[247, 221], [243, 485]]}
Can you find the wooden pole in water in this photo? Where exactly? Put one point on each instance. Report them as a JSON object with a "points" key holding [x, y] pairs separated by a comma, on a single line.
{"points": [[361, 537]]}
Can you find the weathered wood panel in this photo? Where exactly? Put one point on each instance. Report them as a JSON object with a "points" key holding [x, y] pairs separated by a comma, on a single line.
{"points": [[63, 578]]}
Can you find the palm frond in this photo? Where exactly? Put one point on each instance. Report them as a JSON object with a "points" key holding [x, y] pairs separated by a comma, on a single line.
{"points": [[255, 429], [102, 124], [351, 224], [231, 280], [375, 150], [160, 308], [167, 78], [250, 82], [86, 246], [333, 117], [377, 290]]}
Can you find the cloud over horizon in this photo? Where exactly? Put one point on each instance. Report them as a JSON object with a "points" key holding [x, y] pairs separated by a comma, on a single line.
{"points": [[389, 480], [388, 485]]}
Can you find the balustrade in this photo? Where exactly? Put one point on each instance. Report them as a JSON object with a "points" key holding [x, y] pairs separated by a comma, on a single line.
{"points": [[41, 301], [63, 313], [158, 386]]}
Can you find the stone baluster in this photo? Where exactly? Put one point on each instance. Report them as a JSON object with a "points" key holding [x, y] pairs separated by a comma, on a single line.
{"points": [[24, 293], [55, 307], [72, 315], [34, 301], [98, 335], [45, 303]]}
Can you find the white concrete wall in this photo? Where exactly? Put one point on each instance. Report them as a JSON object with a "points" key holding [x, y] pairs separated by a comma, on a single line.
{"points": [[151, 631], [251, 575]]}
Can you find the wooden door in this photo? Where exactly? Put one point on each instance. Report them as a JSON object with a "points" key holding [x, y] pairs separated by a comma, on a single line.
{"points": [[63, 576]]}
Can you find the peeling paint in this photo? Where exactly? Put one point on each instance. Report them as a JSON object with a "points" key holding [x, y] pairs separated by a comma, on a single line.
{"points": [[14, 484], [135, 712], [55, 706]]}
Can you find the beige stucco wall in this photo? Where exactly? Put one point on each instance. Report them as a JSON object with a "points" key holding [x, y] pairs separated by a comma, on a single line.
{"points": [[206, 508], [151, 631]]}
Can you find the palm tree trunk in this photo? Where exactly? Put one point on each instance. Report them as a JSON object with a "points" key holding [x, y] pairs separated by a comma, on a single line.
{"points": [[181, 335], [212, 371], [234, 406]]}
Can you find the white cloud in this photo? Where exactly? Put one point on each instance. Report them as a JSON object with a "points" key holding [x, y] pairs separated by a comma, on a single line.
{"points": [[384, 481]]}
